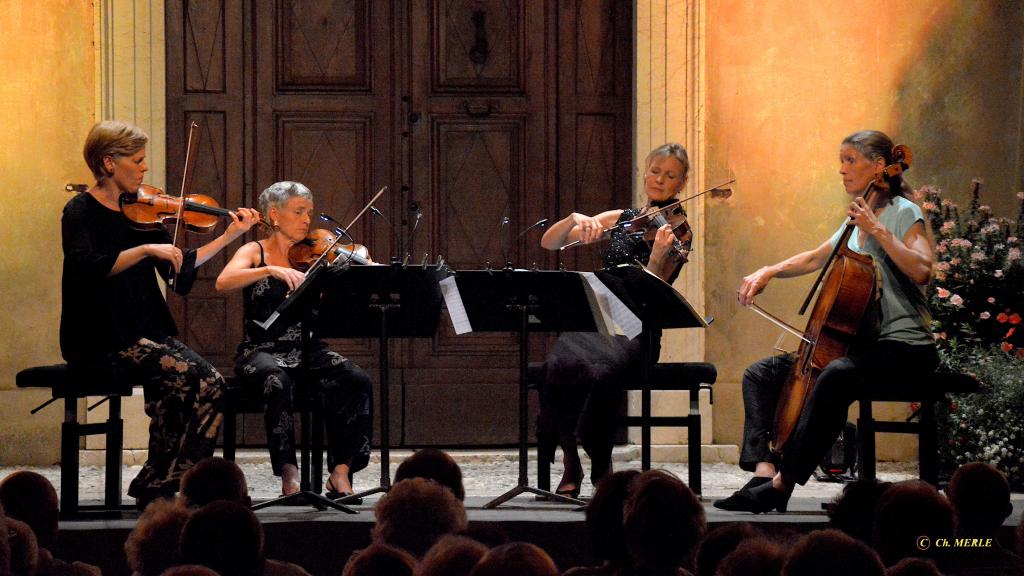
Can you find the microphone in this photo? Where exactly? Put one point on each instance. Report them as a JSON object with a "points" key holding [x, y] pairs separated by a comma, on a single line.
{"points": [[394, 231], [412, 236], [340, 230], [542, 223], [505, 241]]}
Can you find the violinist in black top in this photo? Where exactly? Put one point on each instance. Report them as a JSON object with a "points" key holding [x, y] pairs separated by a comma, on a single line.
{"points": [[270, 359], [114, 314], [582, 388]]}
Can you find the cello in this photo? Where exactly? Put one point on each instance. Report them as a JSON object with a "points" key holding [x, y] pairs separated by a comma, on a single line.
{"points": [[848, 289]]}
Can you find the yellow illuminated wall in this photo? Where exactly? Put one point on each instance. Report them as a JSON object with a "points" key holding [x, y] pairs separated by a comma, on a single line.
{"points": [[786, 81], [47, 104]]}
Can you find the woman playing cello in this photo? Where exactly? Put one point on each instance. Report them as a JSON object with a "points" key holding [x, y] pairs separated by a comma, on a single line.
{"points": [[891, 229], [270, 359], [584, 371], [114, 314]]}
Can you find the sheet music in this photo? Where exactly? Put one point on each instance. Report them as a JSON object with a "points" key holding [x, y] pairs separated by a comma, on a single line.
{"points": [[612, 308], [456, 309]]}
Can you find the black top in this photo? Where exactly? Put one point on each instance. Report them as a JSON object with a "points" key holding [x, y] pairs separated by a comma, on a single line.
{"points": [[103, 314], [283, 340], [631, 248]]}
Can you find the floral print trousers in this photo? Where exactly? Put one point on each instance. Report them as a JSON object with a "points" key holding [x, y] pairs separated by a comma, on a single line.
{"points": [[183, 400], [337, 384]]}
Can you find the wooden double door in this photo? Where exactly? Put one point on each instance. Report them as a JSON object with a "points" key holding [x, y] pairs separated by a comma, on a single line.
{"points": [[469, 111]]}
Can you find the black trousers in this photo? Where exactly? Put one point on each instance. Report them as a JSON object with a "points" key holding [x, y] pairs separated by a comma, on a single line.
{"points": [[883, 363], [336, 383]]}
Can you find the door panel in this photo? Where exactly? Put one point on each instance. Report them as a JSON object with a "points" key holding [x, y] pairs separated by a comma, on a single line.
{"points": [[470, 111]]}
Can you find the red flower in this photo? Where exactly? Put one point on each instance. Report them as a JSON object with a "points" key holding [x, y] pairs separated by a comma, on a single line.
{"points": [[1015, 318], [1002, 318], [1006, 347], [1019, 353], [1010, 333], [953, 406]]}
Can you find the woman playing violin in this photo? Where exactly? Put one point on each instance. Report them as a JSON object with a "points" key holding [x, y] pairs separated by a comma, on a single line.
{"points": [[582, 390], [115, 317], [891, 229], [270, 359]]}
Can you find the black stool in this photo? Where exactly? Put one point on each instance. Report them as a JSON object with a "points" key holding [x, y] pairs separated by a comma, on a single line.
{"points": [[676, 376], [926, 392], [74, 384]]}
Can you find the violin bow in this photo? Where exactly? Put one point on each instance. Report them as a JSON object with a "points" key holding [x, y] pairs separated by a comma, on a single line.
{"points": [[717, 191], [186, 181]]}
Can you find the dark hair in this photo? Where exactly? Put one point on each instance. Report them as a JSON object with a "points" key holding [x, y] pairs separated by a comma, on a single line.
{"points": [[907, 511], [913, 567], [853, 509], [604, 517], [224, 536], [452, 556], [379, 560], [980, 495], [873, 145], [436, 465], [834, 553], [663, 521], [516, 559], [152, 546], [213, 479], [753, 557], [719, 542], [415, 513], [111, 138], [29, 497]]}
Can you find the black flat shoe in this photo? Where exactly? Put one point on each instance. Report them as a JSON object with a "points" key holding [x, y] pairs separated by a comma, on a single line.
{"points": [[742, 500], [347, 498], [758, 499]]}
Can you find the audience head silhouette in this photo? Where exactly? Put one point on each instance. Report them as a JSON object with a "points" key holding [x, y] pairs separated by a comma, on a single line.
{"points": [[152, 546], [753, 557], [853, 510], [436, 465], [380, 560], [29, 497], [213, 479], [906, 512], [604, 517], [980, 496], [452, 556], [719, 543], [415, 514], [834, 553], [516, 559], [663, 521], [226, 537]]}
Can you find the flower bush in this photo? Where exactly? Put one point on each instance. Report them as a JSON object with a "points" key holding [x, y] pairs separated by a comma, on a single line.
{"points": [[977, 300]]}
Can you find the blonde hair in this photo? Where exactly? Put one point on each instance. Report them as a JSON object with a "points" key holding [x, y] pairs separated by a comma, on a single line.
{"points": [[111, 138]]}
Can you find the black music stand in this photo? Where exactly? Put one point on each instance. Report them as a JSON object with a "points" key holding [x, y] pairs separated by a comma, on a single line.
{"points": [[386, 301], [522, 301], [659, 306], [302, 301]]}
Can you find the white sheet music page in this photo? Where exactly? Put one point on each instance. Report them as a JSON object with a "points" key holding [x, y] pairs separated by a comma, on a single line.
{"points": [[456, 309], [625, 322]]}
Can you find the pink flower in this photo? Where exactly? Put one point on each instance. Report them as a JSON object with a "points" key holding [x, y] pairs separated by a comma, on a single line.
{"points": [[947, 204], [943, 266], [942, 292], [1020, 195], [941, 248], [956, 300], [947, 226], [930, 207], [961, 243], [984, 315], [999, 273], [977, 256], [1011, 239], [1013, 254], [991, 300]]}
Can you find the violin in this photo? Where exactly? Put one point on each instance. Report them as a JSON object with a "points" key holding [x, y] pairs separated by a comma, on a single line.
{"points": [[150, 208], [323, 245], [848, 289], [653, 218]]}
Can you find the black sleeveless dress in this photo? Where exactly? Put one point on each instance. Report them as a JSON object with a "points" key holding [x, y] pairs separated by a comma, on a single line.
{"points": [[270, 360], [585, 372]]}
